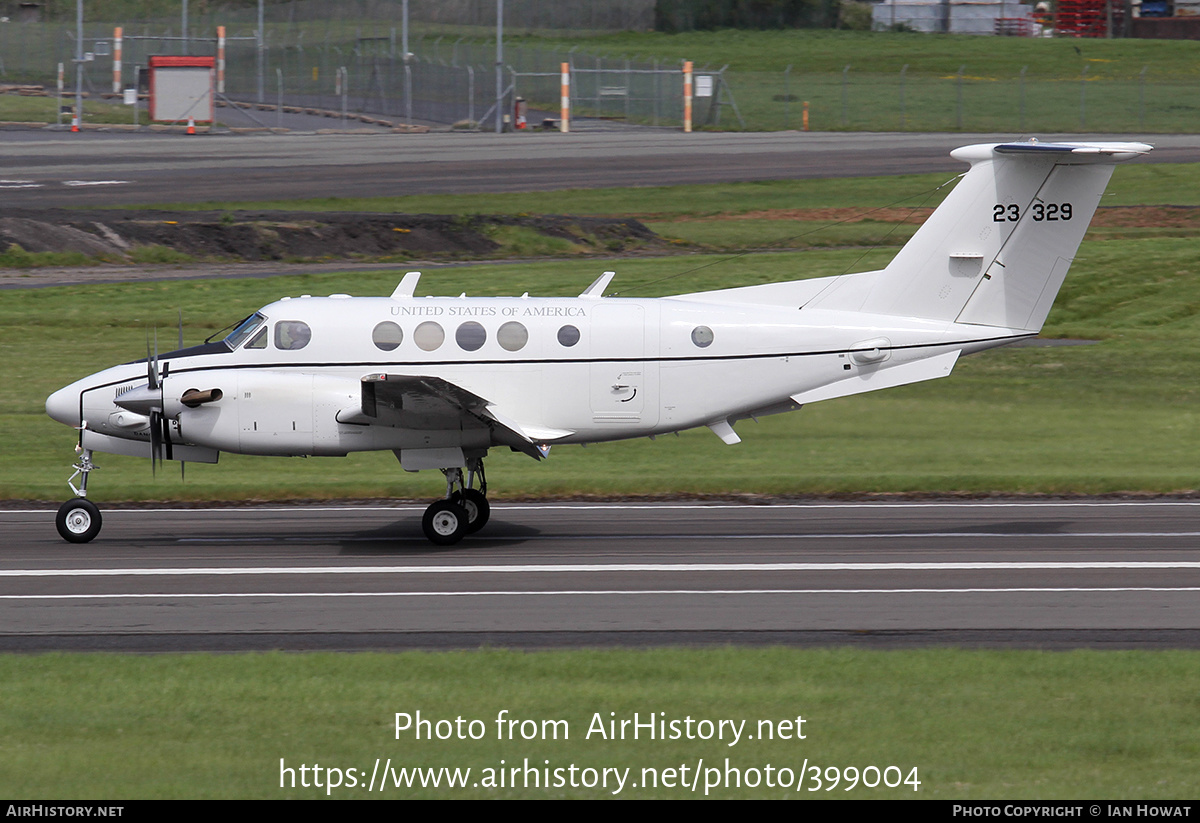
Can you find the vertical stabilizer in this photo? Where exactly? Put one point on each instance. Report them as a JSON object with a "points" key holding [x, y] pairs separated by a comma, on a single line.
{"points": [[996, 251]]}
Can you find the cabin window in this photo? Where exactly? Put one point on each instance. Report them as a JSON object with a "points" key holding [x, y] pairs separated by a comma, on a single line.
{"points": [[512, 336], [291, 335], [568, 336], [429, 336], [702, 336], [470, 336], [259, 341], [387, 336]]}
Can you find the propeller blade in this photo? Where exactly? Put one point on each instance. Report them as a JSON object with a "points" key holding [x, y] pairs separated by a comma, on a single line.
{"points": [[155, 440], [157, 381], [181, 328], [151, 366]]}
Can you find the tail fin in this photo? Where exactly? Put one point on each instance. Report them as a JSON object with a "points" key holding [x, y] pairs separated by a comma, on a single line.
{"points": [[996, 251]]}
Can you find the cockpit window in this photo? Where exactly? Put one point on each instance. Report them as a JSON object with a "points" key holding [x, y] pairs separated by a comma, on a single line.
{"points": [[259, 341], [292, 334], [244, 330]]}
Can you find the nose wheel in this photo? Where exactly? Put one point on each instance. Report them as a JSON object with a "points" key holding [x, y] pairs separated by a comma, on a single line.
{"points": [[78, 520]]}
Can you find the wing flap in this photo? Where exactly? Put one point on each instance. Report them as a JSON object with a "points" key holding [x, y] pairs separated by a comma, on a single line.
{"points": [[433, 403]]}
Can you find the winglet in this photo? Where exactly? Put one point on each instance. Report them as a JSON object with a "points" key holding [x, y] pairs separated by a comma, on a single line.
{"points": [[408, 285], [596, 290], [723, 430]]}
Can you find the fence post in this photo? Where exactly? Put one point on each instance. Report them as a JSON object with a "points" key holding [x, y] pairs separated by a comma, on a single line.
{"points": [[657, 90], [687, 96], [565, 121], [628, 81], [470, 93], [261, 46]]}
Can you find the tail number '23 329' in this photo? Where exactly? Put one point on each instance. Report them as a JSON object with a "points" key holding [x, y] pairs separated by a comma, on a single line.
{"points": [[1041, 211]]}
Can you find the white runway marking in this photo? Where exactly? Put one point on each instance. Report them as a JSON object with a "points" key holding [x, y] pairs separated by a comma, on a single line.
{"points": [[585, 568], [604, 592], [96, 182]]}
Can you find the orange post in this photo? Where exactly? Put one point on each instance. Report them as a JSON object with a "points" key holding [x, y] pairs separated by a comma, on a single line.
{"points": [[687, 96], [565, 121], [805, 115], [221, 60], [117, 43]]}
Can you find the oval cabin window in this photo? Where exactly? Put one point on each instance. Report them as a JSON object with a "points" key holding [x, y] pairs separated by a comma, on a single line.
{"points": [[470, 336], [429, 335], [512, 336], [387, 336], [568, 336]]}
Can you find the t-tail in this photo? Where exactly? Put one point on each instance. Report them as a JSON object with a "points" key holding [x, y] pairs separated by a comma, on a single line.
{"points": [[995, 252]]}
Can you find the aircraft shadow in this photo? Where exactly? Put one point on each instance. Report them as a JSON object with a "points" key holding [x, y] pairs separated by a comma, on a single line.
{"points": [[404, 539]]}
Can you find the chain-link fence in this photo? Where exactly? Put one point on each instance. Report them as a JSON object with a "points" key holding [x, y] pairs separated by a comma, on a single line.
{"points": [[966, 101], [451, 79]]}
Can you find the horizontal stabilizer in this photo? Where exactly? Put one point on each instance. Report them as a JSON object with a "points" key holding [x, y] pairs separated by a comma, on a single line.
{"points": [[870, 379]]}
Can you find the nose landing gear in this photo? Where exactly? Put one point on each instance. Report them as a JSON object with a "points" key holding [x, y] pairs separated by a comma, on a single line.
{"points": [[78, 520]]}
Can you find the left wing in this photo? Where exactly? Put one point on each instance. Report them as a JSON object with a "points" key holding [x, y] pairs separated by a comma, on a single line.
{"points": [[431, 403]]}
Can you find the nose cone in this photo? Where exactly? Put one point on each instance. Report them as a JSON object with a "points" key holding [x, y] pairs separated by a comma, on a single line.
{"points": [[63, 406]]}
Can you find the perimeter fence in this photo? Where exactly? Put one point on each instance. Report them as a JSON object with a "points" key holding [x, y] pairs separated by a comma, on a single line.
{"points": [[451, 79]]}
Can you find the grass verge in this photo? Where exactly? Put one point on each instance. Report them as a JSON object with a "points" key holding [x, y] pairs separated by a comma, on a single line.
{"points": [[973, 724]]}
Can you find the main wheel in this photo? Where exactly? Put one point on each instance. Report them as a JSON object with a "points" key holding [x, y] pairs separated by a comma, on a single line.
{"points": [[477, 506], [445, 523], [78, 520]]}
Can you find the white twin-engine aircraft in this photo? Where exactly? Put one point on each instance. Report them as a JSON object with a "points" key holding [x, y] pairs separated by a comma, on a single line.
{"points": [[440, 381]]}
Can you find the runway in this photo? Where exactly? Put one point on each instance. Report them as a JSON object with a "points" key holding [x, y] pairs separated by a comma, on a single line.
{"points": [[995, 573], [49, 170]]}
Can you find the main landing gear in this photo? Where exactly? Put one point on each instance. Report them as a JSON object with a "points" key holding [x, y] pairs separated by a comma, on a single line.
{"points": [[78, 520], [464, 510]]}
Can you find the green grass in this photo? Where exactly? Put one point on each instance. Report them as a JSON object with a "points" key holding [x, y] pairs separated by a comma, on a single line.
{"points": [[886, 53], [975, 725], [43, 110]]}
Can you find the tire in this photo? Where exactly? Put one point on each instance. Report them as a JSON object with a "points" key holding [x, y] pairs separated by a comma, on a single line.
{"points": [[444, 523], [477, 506], [78, 520]]}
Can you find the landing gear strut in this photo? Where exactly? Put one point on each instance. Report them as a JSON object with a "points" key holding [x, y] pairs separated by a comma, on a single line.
{"points": [[78, 520], [464, 510]]}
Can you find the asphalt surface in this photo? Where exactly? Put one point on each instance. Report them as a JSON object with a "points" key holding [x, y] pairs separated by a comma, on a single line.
{"points": [[995, 573], [52, 169]]}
